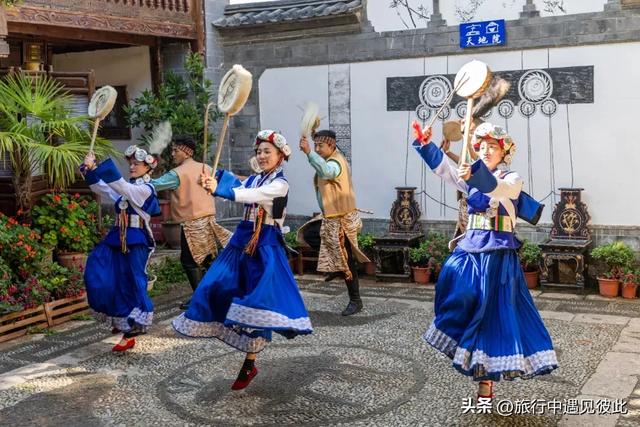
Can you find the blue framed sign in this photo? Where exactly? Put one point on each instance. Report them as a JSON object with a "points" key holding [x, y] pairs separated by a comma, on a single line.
{"points": [[481, 34]]}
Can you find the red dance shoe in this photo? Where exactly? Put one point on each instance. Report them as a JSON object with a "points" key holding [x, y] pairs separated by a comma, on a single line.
{"points": [[239, 385], [129, 344], [487, 397]]}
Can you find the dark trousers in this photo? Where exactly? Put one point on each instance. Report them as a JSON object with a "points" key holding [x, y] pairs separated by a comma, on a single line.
{"points": [[193, 271], [311, 235], [353, 285]]}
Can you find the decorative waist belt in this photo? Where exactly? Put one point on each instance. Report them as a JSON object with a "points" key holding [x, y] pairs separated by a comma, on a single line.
{"points": [[131, 221], [250, 215], [497, 223]]}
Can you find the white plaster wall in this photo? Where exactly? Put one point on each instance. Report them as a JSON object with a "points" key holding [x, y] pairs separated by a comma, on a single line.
{"points": [[604, 149], [385, 19], [127, 66], [284, 94]]}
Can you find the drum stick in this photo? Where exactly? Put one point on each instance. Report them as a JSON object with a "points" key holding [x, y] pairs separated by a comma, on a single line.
{"points": [[467, 126], [96, 125], [221, 141], [206, 134], [448, 100]]}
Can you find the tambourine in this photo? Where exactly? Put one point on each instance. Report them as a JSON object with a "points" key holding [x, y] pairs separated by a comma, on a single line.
{"points": [[310, 119], [100, 106], [234, 90], [451, 130], [232, 95], [472, 79], [102, 102]]}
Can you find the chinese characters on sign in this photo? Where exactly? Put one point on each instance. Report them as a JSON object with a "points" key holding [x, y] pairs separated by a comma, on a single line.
{"points": [[480, 34], [506, 407]]}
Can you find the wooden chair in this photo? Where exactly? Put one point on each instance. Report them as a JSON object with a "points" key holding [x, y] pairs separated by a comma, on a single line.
{"points": [[305, 254]]}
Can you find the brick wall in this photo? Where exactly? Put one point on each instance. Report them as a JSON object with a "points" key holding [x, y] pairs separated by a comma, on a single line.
{"points": [[314, 47]]}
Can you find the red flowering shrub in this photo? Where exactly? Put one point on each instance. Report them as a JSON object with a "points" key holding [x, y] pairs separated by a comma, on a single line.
{"points": [[61, 282], [20, 247], [8, 290], [32, 294], [66, 222]]}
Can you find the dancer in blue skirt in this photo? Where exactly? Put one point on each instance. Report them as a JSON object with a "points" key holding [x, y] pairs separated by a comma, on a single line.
{"points": [[115, 275], [485, 319], [249, 290]]}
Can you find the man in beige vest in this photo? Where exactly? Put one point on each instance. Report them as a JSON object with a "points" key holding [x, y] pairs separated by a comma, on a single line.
{"points": [[341, 222], [201, 237]]}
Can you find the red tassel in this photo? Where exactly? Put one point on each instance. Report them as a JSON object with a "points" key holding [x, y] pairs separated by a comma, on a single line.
{"points": [[419, 135], [251, 246], [124, 223], [417, 131]]}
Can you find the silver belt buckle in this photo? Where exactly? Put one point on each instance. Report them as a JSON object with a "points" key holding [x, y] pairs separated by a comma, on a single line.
{"points": [[134, 221]]}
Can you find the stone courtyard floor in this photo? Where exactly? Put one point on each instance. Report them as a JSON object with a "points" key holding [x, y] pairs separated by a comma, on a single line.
{"points": [[371, 369]]}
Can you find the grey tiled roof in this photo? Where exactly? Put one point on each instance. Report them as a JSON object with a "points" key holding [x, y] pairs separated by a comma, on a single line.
{"points": [[283, 11]]}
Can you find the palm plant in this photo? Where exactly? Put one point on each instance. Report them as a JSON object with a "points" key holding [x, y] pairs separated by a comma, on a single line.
{"points": [[40, 135]]}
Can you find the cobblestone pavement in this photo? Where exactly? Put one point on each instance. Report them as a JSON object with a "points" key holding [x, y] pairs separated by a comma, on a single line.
{"points": [[368, 369]]}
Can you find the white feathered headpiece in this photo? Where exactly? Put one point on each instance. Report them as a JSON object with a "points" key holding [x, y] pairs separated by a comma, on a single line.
{"points": [[158, 141]]}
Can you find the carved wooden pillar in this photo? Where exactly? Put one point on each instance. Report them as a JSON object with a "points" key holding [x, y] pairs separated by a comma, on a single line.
{"points": [[4, 46]]}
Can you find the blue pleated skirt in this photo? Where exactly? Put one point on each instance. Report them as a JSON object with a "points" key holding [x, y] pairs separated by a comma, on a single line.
{"points": [[117, 286], [242, 299], [485, 319]]}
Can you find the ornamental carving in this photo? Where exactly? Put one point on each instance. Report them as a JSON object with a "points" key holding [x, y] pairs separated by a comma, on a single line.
{"points": [[144, 26], [570, 216], [405, 212]]}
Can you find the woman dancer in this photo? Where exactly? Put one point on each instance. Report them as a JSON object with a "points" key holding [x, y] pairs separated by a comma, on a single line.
{"points": [[115, 276], [249, 290], [485, 319]]}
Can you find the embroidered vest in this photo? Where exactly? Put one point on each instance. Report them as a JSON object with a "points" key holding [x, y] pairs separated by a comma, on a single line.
{"points": [[190, 201], [337, 194]]}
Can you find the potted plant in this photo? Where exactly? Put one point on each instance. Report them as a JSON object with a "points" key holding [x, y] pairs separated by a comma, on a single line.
{"points": [[291, 239], [365, 243], [530, 255], [630, 281], [69, 223], [614, 258], [438, 247], [419, 259], [35, 144]]}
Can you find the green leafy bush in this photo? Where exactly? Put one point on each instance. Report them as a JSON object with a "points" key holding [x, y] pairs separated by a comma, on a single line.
{"points": [[61, 282], [167, 273], [613, 259], [530, 255], [431, 253], [291, 239], [366, 241], [182, 101]]}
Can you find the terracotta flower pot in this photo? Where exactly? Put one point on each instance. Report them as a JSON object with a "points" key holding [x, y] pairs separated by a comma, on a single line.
{"points": [[370, 268], [608, 287], [629, 290], [421, 275], [76, 260], [171, 232], [532, 278]]}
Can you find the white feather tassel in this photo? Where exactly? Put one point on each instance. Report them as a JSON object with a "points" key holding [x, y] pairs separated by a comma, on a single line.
{"points": [[160, 138]]}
